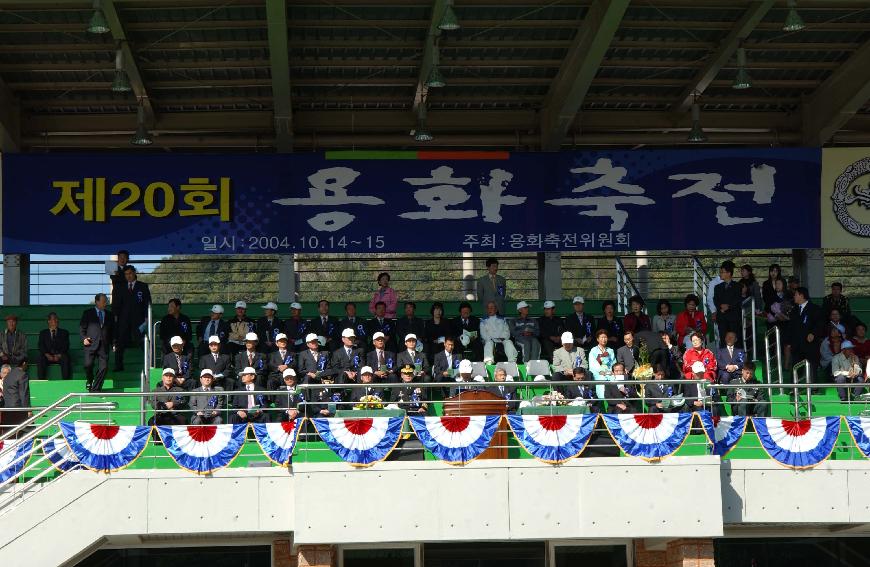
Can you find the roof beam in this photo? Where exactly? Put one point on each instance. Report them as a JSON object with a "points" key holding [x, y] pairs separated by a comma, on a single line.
{"points": [[837, 99], [279, 60], [741, 30], [119, 35], [10, 120], [430, 54], [578, 70]]}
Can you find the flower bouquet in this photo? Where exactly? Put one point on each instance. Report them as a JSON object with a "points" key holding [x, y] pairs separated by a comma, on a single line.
{"points": [[551, 398], [369, 403], [643, 370]]}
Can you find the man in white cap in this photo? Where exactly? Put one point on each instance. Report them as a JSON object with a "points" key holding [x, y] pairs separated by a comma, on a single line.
{"points": [[692, 394], [251, 358], [581, 325], [846, 369], [240, 326], [465, 381], [287, 398], [207, 405], [310, 362], [325, 326], [568, 357], [279, 361], [178, 360], [366, 376], [494, 331], [345, 361], [212, 325], [524, 331], [551, 329], [167, 401], [248, 407], [296, 328], [268, 326], [414, 358], [218, 363], [382, 361]]}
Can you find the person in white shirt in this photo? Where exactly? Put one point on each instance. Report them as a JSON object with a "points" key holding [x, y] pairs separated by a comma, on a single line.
{"points": [[494, 330], [846, 369], [568, 357]]}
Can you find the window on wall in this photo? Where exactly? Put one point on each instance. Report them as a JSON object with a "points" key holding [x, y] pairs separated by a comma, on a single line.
{"points": [[793, 552], [479, 554], [402, 557], [590, 556], [241, 556]]}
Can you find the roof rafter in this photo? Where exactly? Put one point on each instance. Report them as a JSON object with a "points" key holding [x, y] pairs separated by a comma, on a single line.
{"points": [[837, 99], [704, 77], [118, 34], [579, 68], [279, 61], [429, 52]]}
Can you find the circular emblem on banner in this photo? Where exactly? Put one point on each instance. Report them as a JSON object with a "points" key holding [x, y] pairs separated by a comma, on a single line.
{"points": [[847, 192]]}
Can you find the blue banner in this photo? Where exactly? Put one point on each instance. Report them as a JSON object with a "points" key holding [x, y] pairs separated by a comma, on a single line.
{"points": [[412, 202]]}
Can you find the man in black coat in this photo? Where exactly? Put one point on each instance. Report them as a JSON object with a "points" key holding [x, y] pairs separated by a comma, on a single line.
{"points": [[95, 329], [130, 305], [729, 304], [551, 328], [805, 322], [287, 399], [249, 357], [357, 324], [472, 347], [248, 408], [382, 360], [219, 364], [181, 363], [54, 349], [622, 395], [345, 361], [380, 324], [176, 324], [410, 324], [279, 361], [416, 360], [15, 395], [325, 326], [311, 362], [213, 326], [267, 328]]}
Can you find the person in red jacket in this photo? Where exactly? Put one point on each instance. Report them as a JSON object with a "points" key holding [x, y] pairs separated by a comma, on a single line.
{"points": [[699, 354], [636, 321], [690, 321]]}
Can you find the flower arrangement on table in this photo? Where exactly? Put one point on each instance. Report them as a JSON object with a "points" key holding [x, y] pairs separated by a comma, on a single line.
{"points": [[643, 370], [369, 402], [552, 398]]}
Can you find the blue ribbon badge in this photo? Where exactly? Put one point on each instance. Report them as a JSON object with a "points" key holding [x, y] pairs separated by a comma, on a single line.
{"points": [[356, 361], [360, 331], [389, 364], [288, 360], [500, 290], [212, 402], [321, 362]]}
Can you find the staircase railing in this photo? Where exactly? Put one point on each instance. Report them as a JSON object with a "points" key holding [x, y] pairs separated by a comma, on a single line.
{"points": [[625, 288], [700, 287], [747, 316], [773, 357]]}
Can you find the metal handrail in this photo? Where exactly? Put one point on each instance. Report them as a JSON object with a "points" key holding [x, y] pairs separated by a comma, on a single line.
{"points": [[625, 288], [747, 319], [773, 344], [154, 342], [808, 380], [150, 337], [31, 420]]}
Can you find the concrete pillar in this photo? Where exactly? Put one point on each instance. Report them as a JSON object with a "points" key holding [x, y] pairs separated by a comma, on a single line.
{"points": [[287, 288], [469, 287], [16, 279], [549, 275], [690, 553], [809, 266]]}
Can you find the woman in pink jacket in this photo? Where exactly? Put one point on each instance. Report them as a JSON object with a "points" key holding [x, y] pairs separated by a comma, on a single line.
{"points": [[386, 294]]}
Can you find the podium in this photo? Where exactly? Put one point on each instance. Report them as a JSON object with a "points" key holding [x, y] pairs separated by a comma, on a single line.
{"points": [[481, 402]]}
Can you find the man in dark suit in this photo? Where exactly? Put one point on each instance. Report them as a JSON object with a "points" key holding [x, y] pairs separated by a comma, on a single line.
{"points": [[505, 390], [207, 406], [54, 349], [167, 401], [176, 324], [95, 329], [622, 395], [805, 321], [446, 364], [213, 326], [729, 303], [13, 343], [472, 346], [410, 397], [131, 313], [581, 325], [345, 362], [551, 328], [366, 376], [279, 361], [416, 360], [248, 408], [219, 364], [584, 392], [15, 386], [382, 360], [410, 324], [296, 328], [311, 362], [325, 326], [730, 360], [180, 362], [357, 324], [287, 399], [380, 324], [268, 326], [249, 357]]}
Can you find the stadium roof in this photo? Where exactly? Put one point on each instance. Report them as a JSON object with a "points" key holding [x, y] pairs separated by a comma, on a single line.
{"points": [[269, 75]]}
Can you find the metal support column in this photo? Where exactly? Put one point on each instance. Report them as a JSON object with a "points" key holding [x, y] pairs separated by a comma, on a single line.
{"points": [[469, 288], [286, 279], [809, 266], [16, 279], [549, 275]]}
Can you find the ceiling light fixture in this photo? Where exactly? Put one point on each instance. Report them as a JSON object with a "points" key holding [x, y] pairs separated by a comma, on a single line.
{"points": [[141, 137], [696, 135], [98, 23], [742, 80], [449, 21], [121, 82], [793, 20]]}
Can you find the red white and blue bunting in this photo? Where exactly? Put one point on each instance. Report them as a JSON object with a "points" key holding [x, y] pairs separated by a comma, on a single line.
{"points": [[553, 439], [361, 441], [652, 436], [60, 456], [277, 440], [14, 457], [455, 439], [203, 449], [723, 432], [105, 448], [798, 444], [859, 429]]}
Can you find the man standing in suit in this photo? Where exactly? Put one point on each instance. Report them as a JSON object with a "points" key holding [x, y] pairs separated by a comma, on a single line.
{"points": [[296, 328], [15, 389], [279, 361], [416, 360], [180, 363], [95, 329], [804, 323], [207, 405], [382, 360], [380, 324], [54, 349], [729, 302], [218, 363], [581, 325], [730, 360], [253, 359], [13, 343], [213, 326], [492, 287], [410, 324], [117, 277], [131, 313]]}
